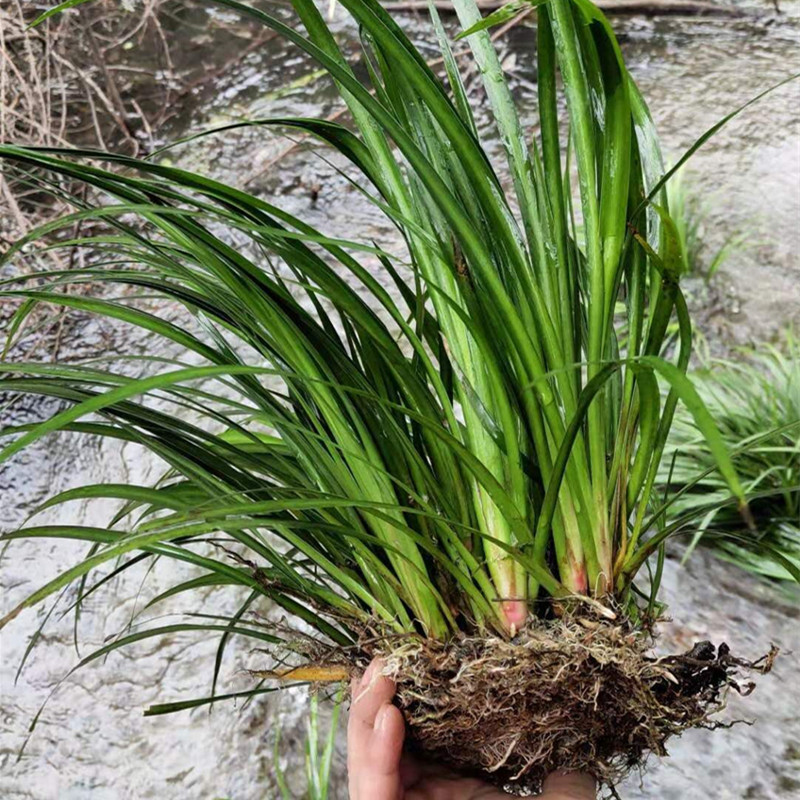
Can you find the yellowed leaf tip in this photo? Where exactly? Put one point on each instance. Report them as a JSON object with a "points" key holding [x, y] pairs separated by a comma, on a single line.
{"points": [[311, 673]]}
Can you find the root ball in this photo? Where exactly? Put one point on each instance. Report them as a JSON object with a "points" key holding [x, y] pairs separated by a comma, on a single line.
{"points": [[572, 694]]}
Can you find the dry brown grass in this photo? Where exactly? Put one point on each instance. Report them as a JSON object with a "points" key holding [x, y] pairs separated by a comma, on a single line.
{"points": [[97, 76], [60, 85]]}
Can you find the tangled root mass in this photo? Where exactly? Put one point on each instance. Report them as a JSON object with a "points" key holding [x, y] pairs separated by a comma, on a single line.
{"points": [[574, 694]]}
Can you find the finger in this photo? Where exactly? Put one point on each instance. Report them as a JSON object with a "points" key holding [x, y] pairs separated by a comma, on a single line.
{"points": [[375, 771], [373, 691], [386, 743], [569, 786], [375, 734]]}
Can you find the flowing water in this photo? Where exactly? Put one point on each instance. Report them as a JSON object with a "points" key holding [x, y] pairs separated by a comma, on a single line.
{"points": [[92, 740]]}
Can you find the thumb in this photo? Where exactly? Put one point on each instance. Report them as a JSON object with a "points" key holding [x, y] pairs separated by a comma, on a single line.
{"points": [[375, 735]]}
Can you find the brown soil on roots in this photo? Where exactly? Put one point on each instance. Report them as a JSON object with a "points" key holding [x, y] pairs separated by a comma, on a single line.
{"points": [[572, 694]]}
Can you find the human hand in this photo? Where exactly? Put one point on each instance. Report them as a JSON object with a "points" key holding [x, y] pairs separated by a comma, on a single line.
{"points": [[379, 770]]}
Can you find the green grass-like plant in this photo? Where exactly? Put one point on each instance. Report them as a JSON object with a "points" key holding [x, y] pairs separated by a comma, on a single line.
{"points": [[756, 405], [318, 750], [485, 444], [690, 213], [442, 460]]}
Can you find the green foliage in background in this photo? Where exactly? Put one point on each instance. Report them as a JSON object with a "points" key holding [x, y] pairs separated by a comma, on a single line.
{"points": [[691, 215], [318, 749], [756, 405]]}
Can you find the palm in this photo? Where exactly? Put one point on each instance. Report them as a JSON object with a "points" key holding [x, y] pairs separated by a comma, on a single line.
{"points": [[426, 782], [378, 769], [562, 787]]}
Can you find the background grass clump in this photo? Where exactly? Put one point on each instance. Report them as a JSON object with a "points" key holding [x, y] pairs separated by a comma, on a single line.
{"points": [[755, 402]]}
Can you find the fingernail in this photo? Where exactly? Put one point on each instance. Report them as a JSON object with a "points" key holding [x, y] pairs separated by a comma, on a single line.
{"points": [[369, 672], [382, 718], [365, 678]]}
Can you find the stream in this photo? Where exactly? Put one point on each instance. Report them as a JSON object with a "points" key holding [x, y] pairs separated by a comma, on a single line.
{"points": [[92, 740]]}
